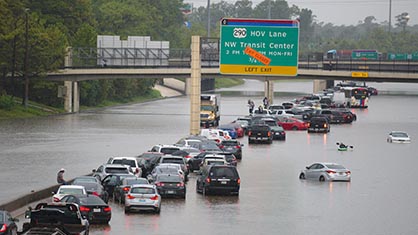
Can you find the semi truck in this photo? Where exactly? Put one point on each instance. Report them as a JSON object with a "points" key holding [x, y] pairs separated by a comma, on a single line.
{"points": [[210, 110]]}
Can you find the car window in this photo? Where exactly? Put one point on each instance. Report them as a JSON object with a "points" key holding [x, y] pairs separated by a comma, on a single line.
{"points": [[168, 150], [167, 170], [140, 190], [222, 172], [334, 166], [1, 217], [71, 191], [172, 160], [171, 178], [113, 170], [130, 163]]}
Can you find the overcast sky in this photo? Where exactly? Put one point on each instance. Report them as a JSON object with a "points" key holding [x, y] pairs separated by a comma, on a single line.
{"points": [[347, 12]]}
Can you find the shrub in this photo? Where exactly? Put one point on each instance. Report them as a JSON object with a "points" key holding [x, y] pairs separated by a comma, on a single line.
{"points": [[6, 102]]}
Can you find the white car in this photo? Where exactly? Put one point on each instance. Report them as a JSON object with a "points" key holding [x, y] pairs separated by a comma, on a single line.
{"points": [[143, 197], [64, 190], [132, 162], [398, 137]]}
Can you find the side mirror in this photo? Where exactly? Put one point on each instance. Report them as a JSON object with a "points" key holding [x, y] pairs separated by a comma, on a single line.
{"points": [[28, 213], [307, 167], [52, 193], [94, 170]]}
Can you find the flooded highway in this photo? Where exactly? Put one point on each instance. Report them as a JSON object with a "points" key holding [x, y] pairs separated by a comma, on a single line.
{"points": [[380, 199]]}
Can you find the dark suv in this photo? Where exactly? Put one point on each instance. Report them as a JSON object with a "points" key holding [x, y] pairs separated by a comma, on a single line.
{"points": [[218, 179], [318, 124], [260, 133]]}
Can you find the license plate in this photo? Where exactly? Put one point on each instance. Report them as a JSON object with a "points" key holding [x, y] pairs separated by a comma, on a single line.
{"points": [[96, 210], [259, 138], [170, 192], [141, 200], [223, 182], [340, 173]]}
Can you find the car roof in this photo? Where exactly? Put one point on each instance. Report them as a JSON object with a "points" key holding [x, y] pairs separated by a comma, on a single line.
{"points": [[115, 165], [142, 186], [127, 158], [72, 186]]}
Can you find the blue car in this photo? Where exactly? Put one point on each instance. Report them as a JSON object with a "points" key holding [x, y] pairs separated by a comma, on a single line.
{"points": [[7, 223], [231, 131]]}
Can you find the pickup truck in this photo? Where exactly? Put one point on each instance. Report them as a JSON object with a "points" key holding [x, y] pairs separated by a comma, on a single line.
{"points": [[55, 219], [260, 133], [331, 115]]}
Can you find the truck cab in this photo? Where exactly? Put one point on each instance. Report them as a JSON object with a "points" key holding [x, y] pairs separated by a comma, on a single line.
{"points": [[209, 110]]}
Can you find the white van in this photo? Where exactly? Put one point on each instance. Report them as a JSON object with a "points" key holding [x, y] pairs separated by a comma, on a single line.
{"points": [[215, 134]]}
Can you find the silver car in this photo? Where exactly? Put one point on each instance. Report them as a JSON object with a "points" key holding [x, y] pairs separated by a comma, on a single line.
{"points": [[143, 197], [324, 171], [398, 137]]}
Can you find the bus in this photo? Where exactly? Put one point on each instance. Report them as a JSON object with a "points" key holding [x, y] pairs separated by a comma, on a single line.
{"points": [[356, 97]]}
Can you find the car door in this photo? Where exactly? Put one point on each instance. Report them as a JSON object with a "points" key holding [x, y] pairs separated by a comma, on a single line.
{"points": [[316, 173], [310, 173]]}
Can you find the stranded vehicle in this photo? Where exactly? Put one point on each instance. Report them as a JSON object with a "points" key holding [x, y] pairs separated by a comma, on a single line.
{"points": [[209, 110]]}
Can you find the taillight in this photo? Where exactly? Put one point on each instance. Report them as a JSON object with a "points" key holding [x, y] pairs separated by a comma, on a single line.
{"points": [[107, 209], [331, 172], [84, 209], [159, 184], [238, 146], [56, 199], [249, 132], [269, 134], [325, 125], [154, 198], [348, 172], [137, 170], [126, 189], [180, 184], [239, 181], [221, 146], [188, 156], [129, 196], [208, 180], [308, 124], [3, 228], [95, 194]]}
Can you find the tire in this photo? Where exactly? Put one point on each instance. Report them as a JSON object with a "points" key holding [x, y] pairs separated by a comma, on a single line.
{"points": [[126, 210], [157, 210], [321, 178], [302, 176], [197, 188]]}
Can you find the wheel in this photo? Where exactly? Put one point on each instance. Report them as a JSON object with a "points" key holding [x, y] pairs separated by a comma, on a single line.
{"points": [[157, 210], [121, 199], [321, 178], [198, 190], [204, 190], [126, 210], [295, 128], [302, 176]]}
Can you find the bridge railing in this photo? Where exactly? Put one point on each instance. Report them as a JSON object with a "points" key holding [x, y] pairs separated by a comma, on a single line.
{"points": [[162, 57]]}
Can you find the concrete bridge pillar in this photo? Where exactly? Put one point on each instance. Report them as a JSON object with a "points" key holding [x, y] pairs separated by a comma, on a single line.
{"points": [[319, 85], [68, 97], [269, 90], [195, 84], [76, 97]]}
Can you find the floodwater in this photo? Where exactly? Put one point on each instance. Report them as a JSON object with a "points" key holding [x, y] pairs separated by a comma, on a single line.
{"points": [[382, 197]]}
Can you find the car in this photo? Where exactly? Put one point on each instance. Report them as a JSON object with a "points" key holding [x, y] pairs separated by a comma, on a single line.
{"points": [[218, 179], [164, 148], [107, 169], [213, 161], [215, 134], [147, 161], [319, 124], [292, 124], [64, 190], [209, 145], [166, 168], [187, 153], [143, 197], [121, 190], [92, 207], [132, 162], [276, 130], [238, 128], [170, 185], [232, 146], [274, 107], [94, 188], [194, 163], [398, 137], [8, 224], [324, 171], [283, 113], [176, 160], [110, 182], [55, 219], [188, 141], [230, 129], [260, 133], [230, 158], [85, 179]]}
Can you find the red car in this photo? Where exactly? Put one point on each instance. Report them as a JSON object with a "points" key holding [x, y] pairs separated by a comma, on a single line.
{"points": [[292, 124]]}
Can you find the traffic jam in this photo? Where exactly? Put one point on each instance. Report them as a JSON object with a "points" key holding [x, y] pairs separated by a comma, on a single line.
{"points": [[140, 183]]}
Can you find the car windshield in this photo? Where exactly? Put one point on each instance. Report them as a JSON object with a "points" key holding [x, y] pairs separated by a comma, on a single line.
{"points": [[214, 162], [222, 172], [85, 180], [169, 178], [229, 143], [399, 134], [136, 181], [130, 163], [335, 166], [143, 190], [173, 160], [92, 200], [70, 191], [117, 170], [167, 170], [168, 150]]}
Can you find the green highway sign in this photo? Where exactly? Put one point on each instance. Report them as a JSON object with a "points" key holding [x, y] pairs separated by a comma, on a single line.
{"points": [[368, 55], [259, 47]]}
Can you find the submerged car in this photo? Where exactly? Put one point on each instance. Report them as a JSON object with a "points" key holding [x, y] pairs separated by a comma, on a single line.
{"points": [[324, 171], [398, 137], [92, 207], [143, 197]]}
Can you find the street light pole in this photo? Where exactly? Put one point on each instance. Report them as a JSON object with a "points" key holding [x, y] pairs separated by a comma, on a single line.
{"points": [[390, 14], [208, 18], [26, 98]]}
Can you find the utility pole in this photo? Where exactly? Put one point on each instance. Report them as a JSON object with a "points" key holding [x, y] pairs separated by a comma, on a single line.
{"points": [[208, 9], [390, 14], [26, 98], [269, 10]]}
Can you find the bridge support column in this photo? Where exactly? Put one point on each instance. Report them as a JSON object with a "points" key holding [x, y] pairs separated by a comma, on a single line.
{"points": [[76, 97], [269, 90], [319, 85], [195, 83], [68, 97]]}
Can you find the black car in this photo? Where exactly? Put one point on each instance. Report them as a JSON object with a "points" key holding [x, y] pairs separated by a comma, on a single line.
{"points": [[94, 189], [7, 223], [260, 133], [232, 146], [147, 162], [194, 163], [123, 188], [170, 185], [218, 179], [318, 124], [111, 181], [92, 207]]}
